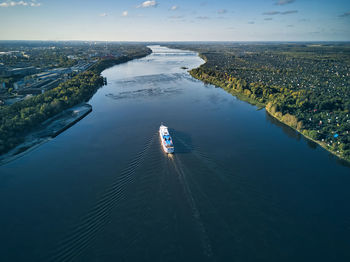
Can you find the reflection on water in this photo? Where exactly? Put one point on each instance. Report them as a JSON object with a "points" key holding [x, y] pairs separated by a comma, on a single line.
{"points": [[311, 143], [286, 129], [290, 131]]}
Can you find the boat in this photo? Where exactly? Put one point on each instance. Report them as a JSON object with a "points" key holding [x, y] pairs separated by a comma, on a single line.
{"points": [[167, 142]]}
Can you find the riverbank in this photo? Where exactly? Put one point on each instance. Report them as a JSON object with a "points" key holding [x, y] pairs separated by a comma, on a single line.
{"points": [[222, 85], [109, 62], [320, 143], [245, 95], [23, 119], [47, 130]]}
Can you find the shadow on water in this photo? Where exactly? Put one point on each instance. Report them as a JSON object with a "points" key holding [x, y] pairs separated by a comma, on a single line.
{"points": [[286, 129], [296, 135], [311, 143], [339, 161], [182, 141], [290, 132]]}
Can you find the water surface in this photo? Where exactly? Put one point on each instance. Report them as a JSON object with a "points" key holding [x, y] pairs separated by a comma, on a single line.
{"points": [[240, 187]]}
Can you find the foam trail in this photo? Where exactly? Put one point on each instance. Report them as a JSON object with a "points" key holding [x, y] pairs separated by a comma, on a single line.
{"points": [[201, 229], [85, 231]]}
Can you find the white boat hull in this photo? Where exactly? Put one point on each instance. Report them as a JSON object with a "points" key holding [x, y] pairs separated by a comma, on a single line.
{"points": [[166, 141]]}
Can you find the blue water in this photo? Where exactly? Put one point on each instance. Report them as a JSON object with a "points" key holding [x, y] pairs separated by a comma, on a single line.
{"points": [[240, 186]]}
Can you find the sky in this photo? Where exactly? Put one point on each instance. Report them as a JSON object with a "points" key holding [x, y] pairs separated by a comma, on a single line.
{"points": [[175, 20]]}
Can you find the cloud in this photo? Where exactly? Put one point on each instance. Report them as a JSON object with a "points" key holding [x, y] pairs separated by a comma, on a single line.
{"points": [[103, 14], [32, 3], [147, 4], [268, 19], [203, 17], [272, 13], [174, 8], [290, 25], [222, 11], [284, 2], [281, 13], [251, 22], [345, 14], [176, 17], [289, 12], [125, 13]]}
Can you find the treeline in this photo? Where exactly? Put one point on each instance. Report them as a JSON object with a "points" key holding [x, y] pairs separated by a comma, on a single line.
{"points": [[20, 118], [257, 93], [321, 113], [39, 58], [105, 63]]}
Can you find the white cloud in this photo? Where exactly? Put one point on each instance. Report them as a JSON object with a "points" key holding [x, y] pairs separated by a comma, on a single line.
{"points": [[345, 14], [203, 17], [19, 3], [281, 13], [103, 14], [222, 11], [176, 17], [272, 13], [284, 2], [174, 8], [289, 12], [125, 13], [33, 3], [148, 4]]}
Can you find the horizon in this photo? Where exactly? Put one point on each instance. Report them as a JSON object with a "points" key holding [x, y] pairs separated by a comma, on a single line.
{"points": [[176, 21], [179, 41]]}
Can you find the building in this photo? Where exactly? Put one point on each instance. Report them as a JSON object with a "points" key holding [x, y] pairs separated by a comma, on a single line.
{"points": [[22, 71], [8, 72]]}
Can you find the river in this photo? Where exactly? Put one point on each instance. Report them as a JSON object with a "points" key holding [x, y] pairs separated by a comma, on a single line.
{"points": [[240, 186]]}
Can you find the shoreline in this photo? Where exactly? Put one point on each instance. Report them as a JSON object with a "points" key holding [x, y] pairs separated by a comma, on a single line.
{"points": [[240, 96], [73, 122], [260, 105], [47, 131], [320, 143], [57, 124]]}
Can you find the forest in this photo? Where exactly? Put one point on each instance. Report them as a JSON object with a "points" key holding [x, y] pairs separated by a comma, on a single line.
{"points": [[304, 85], [20, 118]]}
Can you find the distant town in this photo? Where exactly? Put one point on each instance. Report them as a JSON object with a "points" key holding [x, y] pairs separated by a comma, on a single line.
{"points": [[31, 68], [40, 80]]}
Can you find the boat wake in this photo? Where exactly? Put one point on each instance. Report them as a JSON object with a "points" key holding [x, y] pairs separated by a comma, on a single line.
{"points": [[152, 169], [85, 230], [179, 168]]}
